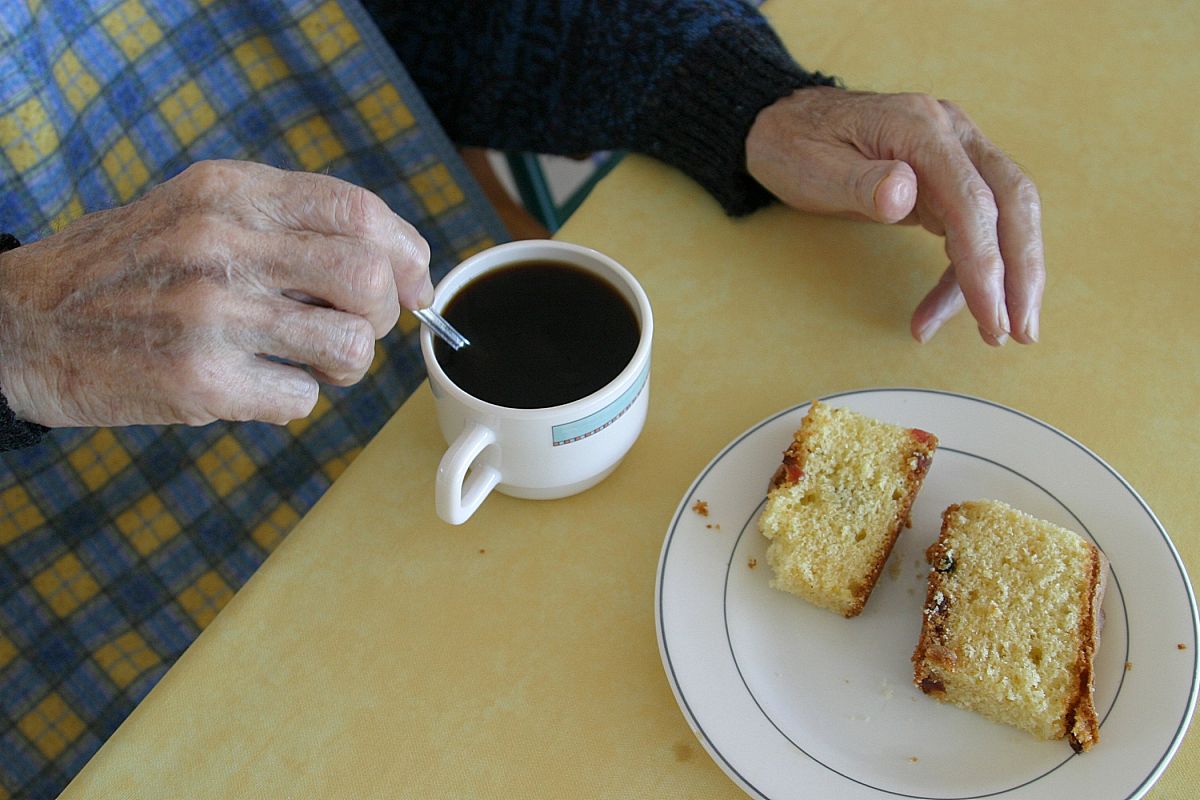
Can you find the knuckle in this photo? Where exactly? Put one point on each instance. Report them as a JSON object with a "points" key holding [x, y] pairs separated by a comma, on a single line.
{"points": [[306, 398], [952, 110], [198, 307], [373, 278], [386, 320], [203, 181], [341, 349], [355, 348], [417, 265], [974, 214], [361, 210], [924, 106], [196, 237], [196, 377], [297, 409], [296, 402], [1026, 193], [957, 120], [865, 184], [368, 282], [413, 261], [418, 249], [982, 199]]}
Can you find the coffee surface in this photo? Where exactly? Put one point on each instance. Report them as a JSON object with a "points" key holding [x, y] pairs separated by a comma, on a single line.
{"points": [[542, 333]]}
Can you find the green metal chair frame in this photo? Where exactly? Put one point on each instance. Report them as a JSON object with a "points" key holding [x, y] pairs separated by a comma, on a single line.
{"points": [[530, 180]]}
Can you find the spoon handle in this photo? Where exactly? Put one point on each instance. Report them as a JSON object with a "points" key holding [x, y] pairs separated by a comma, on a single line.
{"points": [[442, 329]]}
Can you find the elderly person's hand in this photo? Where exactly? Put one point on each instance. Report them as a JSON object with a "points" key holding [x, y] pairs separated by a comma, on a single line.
{"points": [[225, 293], [910, 158]]}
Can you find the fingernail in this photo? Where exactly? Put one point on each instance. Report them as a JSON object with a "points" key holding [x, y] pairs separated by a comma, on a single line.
{"points": [[994, 341], [1031, 326], [1003, 325], [926, 331]]}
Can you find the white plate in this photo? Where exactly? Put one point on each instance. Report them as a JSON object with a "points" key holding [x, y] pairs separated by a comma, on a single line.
{"points": [[794, 701]]}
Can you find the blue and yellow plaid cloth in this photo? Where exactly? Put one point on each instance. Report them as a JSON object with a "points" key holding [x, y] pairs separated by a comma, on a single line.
{"points": [[117, 546]]}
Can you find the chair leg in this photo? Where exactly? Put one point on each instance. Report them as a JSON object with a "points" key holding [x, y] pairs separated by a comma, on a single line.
{"points": [[533, 188], [516, 218]]}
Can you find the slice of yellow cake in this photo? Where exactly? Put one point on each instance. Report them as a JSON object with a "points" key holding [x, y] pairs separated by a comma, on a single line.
{"points": [[837, 503], [1012, 621]]}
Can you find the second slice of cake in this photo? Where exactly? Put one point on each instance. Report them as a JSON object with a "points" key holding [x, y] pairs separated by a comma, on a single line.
{"points": [[1012, 621], [838, 502]]}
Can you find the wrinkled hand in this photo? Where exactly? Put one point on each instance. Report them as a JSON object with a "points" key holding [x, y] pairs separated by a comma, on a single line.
{"points": [[166, 310], [911, 158]]}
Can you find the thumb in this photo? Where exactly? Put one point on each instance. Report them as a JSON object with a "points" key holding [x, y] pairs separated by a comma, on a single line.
{"points": [[841, 180], [895, 194]]}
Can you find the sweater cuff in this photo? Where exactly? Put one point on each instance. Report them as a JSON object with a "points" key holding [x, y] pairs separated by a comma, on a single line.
{"points": [[704, 110], [17, 433]]}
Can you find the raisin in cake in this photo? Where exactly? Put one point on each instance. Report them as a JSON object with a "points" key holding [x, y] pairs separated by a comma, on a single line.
{"points": [[837, 503], [1012, 621]]}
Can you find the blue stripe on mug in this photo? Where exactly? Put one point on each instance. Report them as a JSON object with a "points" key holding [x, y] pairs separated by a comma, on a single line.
{"points": [[594, 423]]}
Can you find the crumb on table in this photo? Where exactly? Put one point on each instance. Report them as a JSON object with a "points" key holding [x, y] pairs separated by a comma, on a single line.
{"points": [[714, 527], [1128, 666], [700, 507], [1181, 646], [752, 563]]}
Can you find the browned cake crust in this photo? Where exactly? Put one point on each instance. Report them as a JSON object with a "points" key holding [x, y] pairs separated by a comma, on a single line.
{"points": [[934, 657], [924, 444], [1083, 723], [916, 460]]}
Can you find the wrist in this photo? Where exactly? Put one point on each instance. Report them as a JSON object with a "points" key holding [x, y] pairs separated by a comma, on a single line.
{"points": [[16, 430], [701, 125]]}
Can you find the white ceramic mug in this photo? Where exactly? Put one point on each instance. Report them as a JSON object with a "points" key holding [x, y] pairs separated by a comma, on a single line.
{"points": [[538, 453]]}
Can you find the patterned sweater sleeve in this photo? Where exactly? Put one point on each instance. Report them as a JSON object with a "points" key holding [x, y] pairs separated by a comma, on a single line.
{"points": [[680, 80]]}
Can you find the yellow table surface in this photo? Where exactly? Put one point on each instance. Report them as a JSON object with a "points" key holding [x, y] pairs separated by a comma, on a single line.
{"points": [[379, 652]]}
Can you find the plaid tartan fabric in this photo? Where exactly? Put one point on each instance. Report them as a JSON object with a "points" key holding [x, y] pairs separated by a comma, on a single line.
{"points": [[117, 546]]}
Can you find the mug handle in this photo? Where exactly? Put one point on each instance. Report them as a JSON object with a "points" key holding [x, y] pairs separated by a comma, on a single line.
{"points": [[457, 498]]}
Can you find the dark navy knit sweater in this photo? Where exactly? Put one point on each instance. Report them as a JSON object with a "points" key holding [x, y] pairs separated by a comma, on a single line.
{"points": [[680, 80]]}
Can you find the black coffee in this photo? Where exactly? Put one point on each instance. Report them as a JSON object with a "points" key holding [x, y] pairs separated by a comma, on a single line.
{"points": [[542, 333]]}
